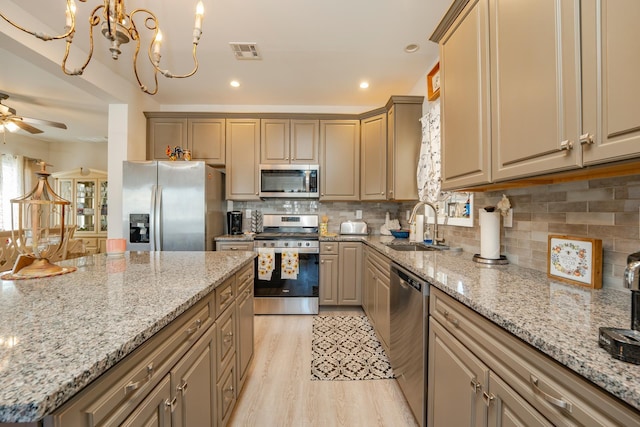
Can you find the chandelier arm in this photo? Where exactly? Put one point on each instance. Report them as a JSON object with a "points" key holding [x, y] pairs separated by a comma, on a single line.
{"points": [[151, 23], [94, 20], [47, 37], [169, 74]]}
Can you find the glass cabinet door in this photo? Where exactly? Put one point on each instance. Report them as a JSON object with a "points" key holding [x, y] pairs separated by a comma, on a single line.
{"points": [[65, 191], [85, 205], [103, 205]]}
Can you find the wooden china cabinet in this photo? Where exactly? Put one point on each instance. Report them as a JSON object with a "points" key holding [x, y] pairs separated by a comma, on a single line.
{"points": [[86, 189]]}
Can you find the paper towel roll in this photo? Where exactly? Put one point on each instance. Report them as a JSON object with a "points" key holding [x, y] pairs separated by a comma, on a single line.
{"points": [[489, 234], [417, 235]]}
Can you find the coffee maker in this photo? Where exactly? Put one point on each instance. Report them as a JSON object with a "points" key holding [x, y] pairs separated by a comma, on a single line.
{"points": [[234, 222]]}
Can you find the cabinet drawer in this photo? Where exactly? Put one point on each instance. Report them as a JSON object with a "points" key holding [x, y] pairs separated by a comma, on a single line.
{"points": [[329, 248], [234, 246], [561, 395], [244, 278], [112, 397], [225, 340], [381, 262], [225, 294], [226, 395]]}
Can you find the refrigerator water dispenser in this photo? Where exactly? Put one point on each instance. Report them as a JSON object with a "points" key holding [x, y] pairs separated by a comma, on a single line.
{"points": [[139, 228]]}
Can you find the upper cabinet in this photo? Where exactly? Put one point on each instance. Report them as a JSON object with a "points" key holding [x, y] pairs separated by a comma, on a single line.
{"points": [[404, 136], [243, 155], [285, 141], [535, 93], [339, 159], [373, 157], [531, 88], [205, 137], [610, 84]]}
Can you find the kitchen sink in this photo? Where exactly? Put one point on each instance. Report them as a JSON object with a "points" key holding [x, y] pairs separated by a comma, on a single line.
{"points": [[414, 247]]}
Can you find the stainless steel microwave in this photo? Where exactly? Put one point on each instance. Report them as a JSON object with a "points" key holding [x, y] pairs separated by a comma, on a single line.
{"points": [[289, 181]]}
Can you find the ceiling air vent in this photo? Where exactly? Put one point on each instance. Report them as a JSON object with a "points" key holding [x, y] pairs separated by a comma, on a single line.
{"points": [[245, 50]]}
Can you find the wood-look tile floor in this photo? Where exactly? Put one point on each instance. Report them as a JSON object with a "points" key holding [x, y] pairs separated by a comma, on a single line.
{"points": [[279, 391]]}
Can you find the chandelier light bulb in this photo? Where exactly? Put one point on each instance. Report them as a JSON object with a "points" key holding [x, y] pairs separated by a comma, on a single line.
{"points": [[157, 43], [199, 14]]}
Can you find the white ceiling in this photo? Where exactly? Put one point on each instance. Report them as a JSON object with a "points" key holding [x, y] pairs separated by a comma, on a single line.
{"points": [[315, 54]]}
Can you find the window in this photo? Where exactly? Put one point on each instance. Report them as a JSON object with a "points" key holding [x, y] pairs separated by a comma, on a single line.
{"points": [[16, 175]]}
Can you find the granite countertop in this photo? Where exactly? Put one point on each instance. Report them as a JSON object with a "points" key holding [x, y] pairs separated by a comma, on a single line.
{"points": [[558, 319], [58, 334]]}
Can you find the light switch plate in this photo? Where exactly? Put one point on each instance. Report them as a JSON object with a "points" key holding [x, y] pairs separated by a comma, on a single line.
{"points": [[508, 218], [358, 214]]}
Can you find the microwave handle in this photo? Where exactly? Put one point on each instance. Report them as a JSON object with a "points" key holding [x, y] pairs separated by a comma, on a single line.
{"points": [[307, 180]]}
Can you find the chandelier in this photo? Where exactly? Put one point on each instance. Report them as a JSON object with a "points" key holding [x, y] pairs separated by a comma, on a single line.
{"points": [[119, 28]]}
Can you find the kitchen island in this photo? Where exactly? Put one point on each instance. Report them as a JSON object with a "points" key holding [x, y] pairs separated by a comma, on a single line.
{"points": [[59, 334]]}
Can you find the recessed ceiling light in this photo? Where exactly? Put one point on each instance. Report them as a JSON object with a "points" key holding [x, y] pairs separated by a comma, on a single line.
{"points": [[364, 85], [410, 48], [235, 83]]}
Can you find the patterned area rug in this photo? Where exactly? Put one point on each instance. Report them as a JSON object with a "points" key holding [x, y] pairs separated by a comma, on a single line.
{"points": [[346, 348]]}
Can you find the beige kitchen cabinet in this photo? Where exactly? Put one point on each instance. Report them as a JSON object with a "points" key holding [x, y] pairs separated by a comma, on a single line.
{"points": [[377, 294], [192, 384], [243, 157], [474, 365], [328, 274], [234, 246], [339, 160], [350, 273], [86, 189], [205, 137], [404, 136], [245, 329], [535, 97], [610, 85], [464, 98], [285, 141], [373, 157], [506, 115]]}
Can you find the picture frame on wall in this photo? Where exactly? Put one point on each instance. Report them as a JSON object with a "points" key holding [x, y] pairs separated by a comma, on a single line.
{"points": [[575, 260], [433, 83]]}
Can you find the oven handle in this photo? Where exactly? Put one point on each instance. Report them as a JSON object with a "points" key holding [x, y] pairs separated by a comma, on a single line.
{"points": [[300, 250]]}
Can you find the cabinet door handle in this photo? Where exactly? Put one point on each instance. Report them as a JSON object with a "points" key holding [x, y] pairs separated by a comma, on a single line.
{"points": [[226, 296], [196, 325], [553, 400], [134, 385], [566, 145], [451, 319], [475, 385], [182, 388], [233, 248], [488, 398], [228, 337], [171, 403], [586, 138], [322, 262]]}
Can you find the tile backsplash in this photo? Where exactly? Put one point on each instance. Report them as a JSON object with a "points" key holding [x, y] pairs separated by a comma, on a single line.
{"points": [[607, 209]]}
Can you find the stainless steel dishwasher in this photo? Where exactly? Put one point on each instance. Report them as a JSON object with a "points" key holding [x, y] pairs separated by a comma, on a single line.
{"points": [[409, 334]]}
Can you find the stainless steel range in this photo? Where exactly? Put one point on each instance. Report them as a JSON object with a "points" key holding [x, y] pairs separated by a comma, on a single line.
{"points": [[286, 270]]}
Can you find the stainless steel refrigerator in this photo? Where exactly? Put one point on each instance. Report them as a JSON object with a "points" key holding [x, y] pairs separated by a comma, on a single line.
{"points": [[172, 206]]}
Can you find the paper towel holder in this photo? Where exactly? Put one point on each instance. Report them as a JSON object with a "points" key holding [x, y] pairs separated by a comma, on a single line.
{"points": [[490, 261]]}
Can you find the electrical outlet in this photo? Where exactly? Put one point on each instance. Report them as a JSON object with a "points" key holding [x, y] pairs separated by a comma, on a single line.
{"points": [[359, 214], [508, 218]]}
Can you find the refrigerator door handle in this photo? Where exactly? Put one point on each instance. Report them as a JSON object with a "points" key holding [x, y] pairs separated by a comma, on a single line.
{"points": [[152, 220], [158, 219]]}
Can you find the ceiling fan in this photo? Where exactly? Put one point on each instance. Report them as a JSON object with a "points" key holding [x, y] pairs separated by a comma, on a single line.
{"points": [[11, 121]]}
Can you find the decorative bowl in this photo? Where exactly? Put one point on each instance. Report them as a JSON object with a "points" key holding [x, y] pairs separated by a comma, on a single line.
{"points": [[400, 234]]}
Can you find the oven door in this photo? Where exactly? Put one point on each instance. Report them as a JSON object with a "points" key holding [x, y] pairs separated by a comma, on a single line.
{"points": [[279, 295]]}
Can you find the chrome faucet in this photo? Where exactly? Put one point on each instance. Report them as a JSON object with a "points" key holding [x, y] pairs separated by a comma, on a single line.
{"points": [[632, 281], [412, 220]]}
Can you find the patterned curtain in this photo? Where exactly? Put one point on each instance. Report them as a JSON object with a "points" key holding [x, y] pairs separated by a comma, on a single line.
{"points": [[428, 174]]}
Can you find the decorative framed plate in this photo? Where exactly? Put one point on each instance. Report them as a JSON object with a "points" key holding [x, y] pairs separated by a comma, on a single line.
{"points": [[433, 83], [575, 260]]}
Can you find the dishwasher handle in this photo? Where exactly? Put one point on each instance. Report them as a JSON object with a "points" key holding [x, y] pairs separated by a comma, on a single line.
{"points": [[405, 277]]}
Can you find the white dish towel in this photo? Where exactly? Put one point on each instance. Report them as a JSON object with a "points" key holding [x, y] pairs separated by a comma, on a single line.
{"points": [[266, 261], [289, 264]]}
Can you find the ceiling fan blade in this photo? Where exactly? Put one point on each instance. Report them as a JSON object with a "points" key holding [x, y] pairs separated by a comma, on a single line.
{"points": [[43, 122], [22, 125]]}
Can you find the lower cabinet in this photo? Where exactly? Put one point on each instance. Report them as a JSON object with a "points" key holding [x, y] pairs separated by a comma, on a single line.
{"points": [[479, 374], [340, 273], [376, 294], [188, 374]]}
